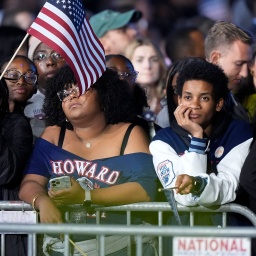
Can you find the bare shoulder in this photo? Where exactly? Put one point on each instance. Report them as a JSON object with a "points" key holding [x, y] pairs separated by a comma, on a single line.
{"points": [[138, 141], [51, 134]]}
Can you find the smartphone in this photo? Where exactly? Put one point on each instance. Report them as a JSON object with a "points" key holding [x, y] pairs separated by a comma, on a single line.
{"points": [[60, 183]]}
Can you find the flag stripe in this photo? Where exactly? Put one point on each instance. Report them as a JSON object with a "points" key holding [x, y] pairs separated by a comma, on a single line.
{"points": [[91, 48], [68, 38], [65, 51], [63, 26]]}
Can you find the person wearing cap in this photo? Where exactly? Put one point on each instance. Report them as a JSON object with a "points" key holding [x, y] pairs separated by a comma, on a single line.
{"points": [[48, 62], [115, 30]]}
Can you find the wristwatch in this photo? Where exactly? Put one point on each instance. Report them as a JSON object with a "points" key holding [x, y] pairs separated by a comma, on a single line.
{"points": [[87, 198], [198, 185]]}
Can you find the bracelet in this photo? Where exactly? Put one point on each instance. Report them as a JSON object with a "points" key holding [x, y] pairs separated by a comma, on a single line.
{"points": [[34, 200]]}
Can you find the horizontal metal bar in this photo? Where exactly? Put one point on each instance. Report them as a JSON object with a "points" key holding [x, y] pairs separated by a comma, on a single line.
{"points": [[129, 230]]}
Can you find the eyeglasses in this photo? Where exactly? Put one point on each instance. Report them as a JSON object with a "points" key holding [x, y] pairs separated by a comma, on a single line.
{"points": [[66, 95], [14, 76], [42, 56], [131, 74]]}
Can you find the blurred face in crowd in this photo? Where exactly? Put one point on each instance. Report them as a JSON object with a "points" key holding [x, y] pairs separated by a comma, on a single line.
{"points": [[48, 62], [21, 80], [124, 69], [146, 61], [198, 39], [234, 61], [24, 19], [116, 41]]}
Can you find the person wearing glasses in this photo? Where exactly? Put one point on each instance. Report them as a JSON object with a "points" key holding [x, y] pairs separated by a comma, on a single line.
{"points": [[123, 67], [92, 139], [48, 62], [16, 142], [125, 70], [21, 79]]}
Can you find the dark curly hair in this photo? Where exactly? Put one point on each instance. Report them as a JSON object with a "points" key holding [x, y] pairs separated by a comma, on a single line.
{"points": [[4, 96], [115, 97], [200, 69], [139, 93]]}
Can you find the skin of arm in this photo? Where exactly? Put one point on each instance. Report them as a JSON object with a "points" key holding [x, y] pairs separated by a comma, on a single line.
{"points": [[126, 193], [32, 185], [129, 192], [184, 182], [220, 188]]}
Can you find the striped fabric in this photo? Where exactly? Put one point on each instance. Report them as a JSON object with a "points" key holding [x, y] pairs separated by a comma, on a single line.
{"points": [[63, 26], [198, 145]]}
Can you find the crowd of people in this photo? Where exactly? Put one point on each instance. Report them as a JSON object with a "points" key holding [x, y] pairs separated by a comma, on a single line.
{"points": [[180, 115]]}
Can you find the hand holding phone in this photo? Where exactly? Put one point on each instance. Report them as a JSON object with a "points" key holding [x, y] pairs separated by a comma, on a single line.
{"points": [[60, 183]]}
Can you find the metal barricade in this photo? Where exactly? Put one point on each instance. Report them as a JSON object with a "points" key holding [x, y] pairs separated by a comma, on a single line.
{"points": [[13, 212], [161, 207], [101, 231], [138, 232]]}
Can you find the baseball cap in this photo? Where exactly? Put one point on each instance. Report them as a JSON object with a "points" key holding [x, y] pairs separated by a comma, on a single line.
{"points": [[107, 20]]}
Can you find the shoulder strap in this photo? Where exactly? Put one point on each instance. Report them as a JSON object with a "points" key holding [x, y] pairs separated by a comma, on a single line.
{"points": [[126, 137], [62, 135]]}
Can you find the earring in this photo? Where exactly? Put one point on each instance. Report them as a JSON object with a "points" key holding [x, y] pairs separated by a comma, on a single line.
{"points": [[67, 120]]}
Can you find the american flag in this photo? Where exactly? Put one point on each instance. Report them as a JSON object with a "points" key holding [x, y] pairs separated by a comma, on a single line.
{"points": [[63, 26]]}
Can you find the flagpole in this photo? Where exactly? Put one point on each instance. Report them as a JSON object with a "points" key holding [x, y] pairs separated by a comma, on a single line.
{"points": [[21, 44]]}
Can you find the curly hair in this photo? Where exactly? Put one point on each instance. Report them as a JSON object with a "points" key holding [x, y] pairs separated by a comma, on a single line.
{"points": [[115, 97], [200, 69], [139, 93], [4, 96]]}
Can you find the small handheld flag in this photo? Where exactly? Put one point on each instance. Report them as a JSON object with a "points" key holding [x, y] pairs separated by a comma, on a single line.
{"points": [[172, 202], [63, 26]]}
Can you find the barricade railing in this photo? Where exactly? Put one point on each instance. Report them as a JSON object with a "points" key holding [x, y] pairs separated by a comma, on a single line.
{"points": [[136, 231], [161, 207], [101, 231], [17, 212]]}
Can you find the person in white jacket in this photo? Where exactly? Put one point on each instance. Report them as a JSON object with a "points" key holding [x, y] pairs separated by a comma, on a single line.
{"points": [[202, 152]]}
